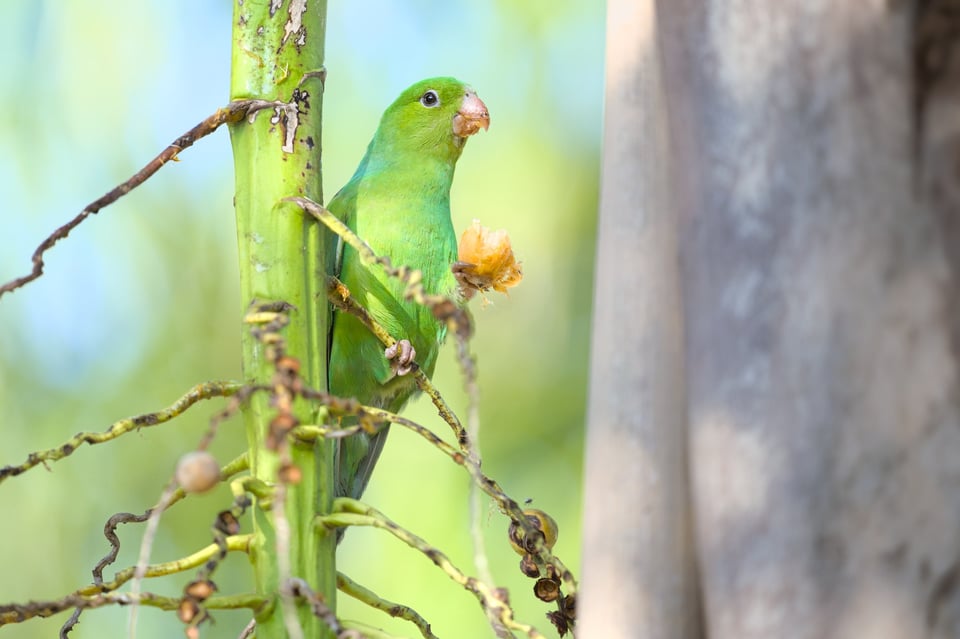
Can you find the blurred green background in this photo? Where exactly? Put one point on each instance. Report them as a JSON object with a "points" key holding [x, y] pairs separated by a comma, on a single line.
{"points": [[142, 301]]}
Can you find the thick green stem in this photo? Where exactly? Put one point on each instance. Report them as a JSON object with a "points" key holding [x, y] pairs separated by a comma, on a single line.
{"points": [[278, 56]]}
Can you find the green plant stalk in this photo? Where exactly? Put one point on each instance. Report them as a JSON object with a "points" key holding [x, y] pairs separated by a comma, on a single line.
{"points": [[281, 258]]}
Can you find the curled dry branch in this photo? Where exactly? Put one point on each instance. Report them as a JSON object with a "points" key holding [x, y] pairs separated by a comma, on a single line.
{"points": [[233, 112], [285, 113]]}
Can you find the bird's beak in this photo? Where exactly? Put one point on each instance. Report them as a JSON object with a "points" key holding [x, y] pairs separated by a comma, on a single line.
{"points": [[471, 117]]}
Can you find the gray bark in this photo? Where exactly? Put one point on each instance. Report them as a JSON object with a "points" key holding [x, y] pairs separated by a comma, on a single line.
{"points": [[812, 154], [638, 562]]}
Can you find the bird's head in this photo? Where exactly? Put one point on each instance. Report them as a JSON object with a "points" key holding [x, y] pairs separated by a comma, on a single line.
{"points": [[436, 115]]}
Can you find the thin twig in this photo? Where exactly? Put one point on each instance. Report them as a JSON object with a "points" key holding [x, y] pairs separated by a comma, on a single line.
{"points": [[70, 623], [248, 630], [300, 588], [234, 543], [146, 544], [281, 527], [233, 112], [350, 512], [205, 390], [468, 366], [358, 630], [350, 587], [17, 613], [307, 432], [242, 394], [110, 532]]}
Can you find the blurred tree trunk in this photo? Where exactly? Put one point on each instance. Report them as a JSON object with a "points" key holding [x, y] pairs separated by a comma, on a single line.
{"points": [[812, 157], [638, 561]]}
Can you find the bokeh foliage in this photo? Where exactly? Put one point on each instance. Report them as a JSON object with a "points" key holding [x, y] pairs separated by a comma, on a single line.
{"points": [[142, 301]]}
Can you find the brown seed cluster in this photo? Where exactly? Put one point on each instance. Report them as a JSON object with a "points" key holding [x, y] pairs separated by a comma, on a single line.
{"points": [[542, 532]]}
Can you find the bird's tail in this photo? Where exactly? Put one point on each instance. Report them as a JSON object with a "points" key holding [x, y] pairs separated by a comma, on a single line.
{"points": [[357, 456]]}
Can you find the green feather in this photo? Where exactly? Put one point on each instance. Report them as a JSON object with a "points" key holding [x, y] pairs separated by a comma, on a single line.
{"points": [[398, 201]]}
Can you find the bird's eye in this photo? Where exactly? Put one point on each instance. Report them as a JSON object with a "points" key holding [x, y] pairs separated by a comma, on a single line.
{"points": [[430, 99]]}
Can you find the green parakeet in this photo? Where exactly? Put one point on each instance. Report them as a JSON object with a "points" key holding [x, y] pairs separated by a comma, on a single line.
{"points": [[398, 201]]}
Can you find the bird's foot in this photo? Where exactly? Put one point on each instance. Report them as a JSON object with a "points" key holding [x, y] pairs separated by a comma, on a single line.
{"points": [[401, 356]]}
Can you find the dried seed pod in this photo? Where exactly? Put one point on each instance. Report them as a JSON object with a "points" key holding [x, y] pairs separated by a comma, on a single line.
{"points": [[289, 474], [188, 610], [200, 589], [547, 589], [552, 572], [227, 523], [545, 526], [197, 472], [570, 607], [289, 365], [444, 310], [283, 423], [279, 427], [528, 566], [560, 622]]}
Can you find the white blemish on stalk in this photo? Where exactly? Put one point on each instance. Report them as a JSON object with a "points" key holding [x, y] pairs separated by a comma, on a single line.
{"points": [[260, 267], [285, 114], [288, 116], [295, 22]]}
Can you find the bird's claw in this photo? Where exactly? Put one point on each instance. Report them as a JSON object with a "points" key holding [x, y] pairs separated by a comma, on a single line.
{"points": [[401, 356]]}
